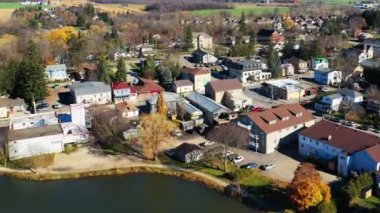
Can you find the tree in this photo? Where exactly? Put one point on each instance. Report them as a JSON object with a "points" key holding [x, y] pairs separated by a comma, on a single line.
{"points": [[81, 21], [121, 72], [164, 75], [274, 62], [148, 68], [7, 76], [104, 70], [289, 24], [161, 105], [188, 34], [242, 24], [289, 50], [229, 135], [155, 132], [307, 189]]}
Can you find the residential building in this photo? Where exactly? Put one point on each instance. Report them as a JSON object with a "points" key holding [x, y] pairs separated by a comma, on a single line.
{"points": [[188, 153], [351, 96], [329, 103], [86, 72], [189, 116], [276, 127], [56, 72], [328, 77], [146, 88], [121, 91], [270, 36], [286, 89], [300, 66], [348, 148], [202, 57], [183, 86], [9, 106], [246, 70], [213, 112], [372, 103], [202, 40], [359, 53], [91, 92], [320, 63], [287, 69], [171, 99], [200, 76]]}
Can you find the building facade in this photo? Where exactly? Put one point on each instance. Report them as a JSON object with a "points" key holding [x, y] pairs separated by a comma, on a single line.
{"points": [[91, 93], [56, 72]]}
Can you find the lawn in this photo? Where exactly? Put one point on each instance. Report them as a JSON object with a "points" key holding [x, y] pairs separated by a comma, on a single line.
{"points": [[14, 5], [249, 9], [334, 2], [369, 203]]}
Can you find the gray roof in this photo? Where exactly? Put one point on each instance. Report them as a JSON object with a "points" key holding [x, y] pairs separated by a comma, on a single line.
{"points": [[189, 108], [34, 132], [6, 102], [245, 65], [349, 92], [182, 83], [206, 103], [168, 98], [335, 96], [55, 67], [199, 52], [90, 87]]}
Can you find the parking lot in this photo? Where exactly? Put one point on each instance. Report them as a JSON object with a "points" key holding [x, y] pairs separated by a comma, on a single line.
{"points": [[284, 164]]}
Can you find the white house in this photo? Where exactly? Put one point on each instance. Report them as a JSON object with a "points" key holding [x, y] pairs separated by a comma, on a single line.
{"points": [[122, 91], [328, 77], [350, 149], [91, 93], [319, 63], [30, 142], [329, 103], [351, 96], [183, 86], [202, 57], [9, 106], [247, 70], [56, 72]]}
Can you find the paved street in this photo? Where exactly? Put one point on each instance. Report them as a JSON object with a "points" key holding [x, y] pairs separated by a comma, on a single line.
{"points": [[284, 165]]}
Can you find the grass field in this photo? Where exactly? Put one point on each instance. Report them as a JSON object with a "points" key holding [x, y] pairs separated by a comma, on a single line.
{"points": [[334, 2], [247, 9]]}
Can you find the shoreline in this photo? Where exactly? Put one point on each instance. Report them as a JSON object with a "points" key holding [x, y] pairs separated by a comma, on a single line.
{"points": [[189, 175]]}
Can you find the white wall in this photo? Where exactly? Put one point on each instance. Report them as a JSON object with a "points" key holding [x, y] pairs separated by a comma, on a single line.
{"points": [[35, 146], [96, 98], [310, 147]]}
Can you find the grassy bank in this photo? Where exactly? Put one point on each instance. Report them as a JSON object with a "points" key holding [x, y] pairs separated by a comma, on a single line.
{"points": [[249, 9], [16, 5]]}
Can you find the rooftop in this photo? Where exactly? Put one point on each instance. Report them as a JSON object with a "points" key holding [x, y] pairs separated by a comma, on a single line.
{"points": [[90, 87], [120, 85], [288, 84], [196, 70], [185, 148], [7, 102], [348, 139], [245, 65], [349, 93], [21, 134], [148, 86], [225, 85], [186, 106], [205, 102], [374, 152], [55, 67], [282, 117], [182, 83]]}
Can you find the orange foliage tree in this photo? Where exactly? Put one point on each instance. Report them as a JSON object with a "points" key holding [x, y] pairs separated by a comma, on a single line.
{"points": [[307, 189]]}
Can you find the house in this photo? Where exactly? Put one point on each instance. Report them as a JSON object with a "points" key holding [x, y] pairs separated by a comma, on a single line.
{"points": [[183, 86], [145, 50], [91, 92], [319, 63], [213, 112], [202, 40], [300, 66], [171, 99], [329, 103], [287, 69], [351, 96], [146, 88], [56, 72], [30, 142], [202, 57], [188, 153], [372, 103], [270, 36], [246, 70], [86, 71], [9, 106], [122, 91], [200, 76], [350, 149], [286, 89], [189, 116], [328, 77], [275, 127]]}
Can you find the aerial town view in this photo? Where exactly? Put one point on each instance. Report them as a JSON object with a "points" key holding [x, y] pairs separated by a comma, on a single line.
{"points": [[189, 106]]}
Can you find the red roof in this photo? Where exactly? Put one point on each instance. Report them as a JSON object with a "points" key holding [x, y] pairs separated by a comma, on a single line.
{"points": [[197, 70], [148, 86], [282, 117], [226, 85], [348, 139], [120, 85]]}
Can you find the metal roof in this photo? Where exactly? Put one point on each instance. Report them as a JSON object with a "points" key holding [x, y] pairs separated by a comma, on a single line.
{"points": [[189, 108], [206, 103], [55, 67], [89, 87]]}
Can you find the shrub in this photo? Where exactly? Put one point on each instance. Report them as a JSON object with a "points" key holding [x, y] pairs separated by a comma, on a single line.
{"points": [[355, 186], [326, 207]]}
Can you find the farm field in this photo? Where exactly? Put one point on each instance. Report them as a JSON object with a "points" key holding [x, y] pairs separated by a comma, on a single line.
{"points": [[247, 9]]}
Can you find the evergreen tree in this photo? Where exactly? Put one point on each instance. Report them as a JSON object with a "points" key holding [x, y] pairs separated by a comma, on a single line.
{"points": [[289, 49], [81, 21], [164, 75], [242, 24], [121, 72], [188, 33], [149, 68], [253, 38], [274, 62], [7, 77], [104, 70]]}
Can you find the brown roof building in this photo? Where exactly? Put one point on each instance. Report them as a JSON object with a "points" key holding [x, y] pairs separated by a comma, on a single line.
{"points": [[217, 89], [276, 127]]}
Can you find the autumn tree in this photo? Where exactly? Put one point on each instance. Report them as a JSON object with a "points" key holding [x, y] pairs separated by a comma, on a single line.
{"points": [[121, 72], [289, 24], [161, 105], [155, 132], [60, 37], [229, 135], [307, 189]]}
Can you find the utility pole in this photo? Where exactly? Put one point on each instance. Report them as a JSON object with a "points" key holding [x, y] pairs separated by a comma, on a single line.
{"points": [[271, 100]]}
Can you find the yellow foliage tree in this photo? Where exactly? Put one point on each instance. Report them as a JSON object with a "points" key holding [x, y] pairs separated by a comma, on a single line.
{"points": [[155, 132], [307, 189], [289, 24], [161, 105], [60, 36]]}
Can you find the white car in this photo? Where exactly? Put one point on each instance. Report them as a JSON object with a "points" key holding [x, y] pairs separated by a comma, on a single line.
{"points": [[238, 159], [228, 153], [207, 143], [56, 106], [267, 167]]}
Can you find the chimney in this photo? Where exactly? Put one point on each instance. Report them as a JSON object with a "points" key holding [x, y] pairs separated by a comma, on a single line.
{"points": [[329, 138], [198, 42]]}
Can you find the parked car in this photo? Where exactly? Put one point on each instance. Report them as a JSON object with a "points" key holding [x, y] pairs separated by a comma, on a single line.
{"points": [[232, 157], [207, 143], [56, 106], [267, 167], [42, 106], [238, 159], [249, 166], [363, 127], [375, 131], [228, 153]]}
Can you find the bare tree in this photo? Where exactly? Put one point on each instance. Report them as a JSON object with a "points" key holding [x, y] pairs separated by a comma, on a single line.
{"points": [[229, 135]]}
